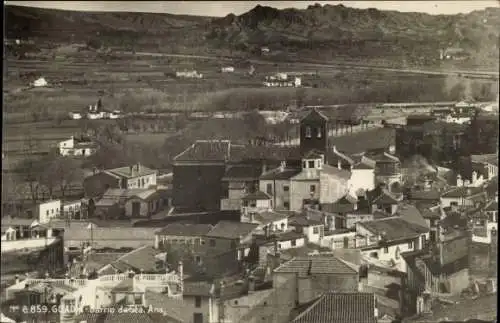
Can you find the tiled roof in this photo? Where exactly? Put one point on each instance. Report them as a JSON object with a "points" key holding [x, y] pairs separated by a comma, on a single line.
{"points": [[231, 230], [142, 258], [185, 229], [124, 194], [319, 264], [197, 289], [379, 138], [259, 195], [269, 217], [454, 220], [411, 214], [17, 222], [340, 308], [365, 163], [394, 228], [112, 233], [424, 195], [172, 308], [488, 158], [120, 317], [334, 156], [206, 150], [491, 206], [280, 174], [243, 172], [313, 154], [303, 221], [269, 153], [429, 211], [384, 157], [341, 173], [482, 308], [125, 171], [381, 195], [463, 191]]}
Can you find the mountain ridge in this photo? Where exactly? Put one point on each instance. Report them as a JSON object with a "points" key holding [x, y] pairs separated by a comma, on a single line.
{"points": [[327, 30]]}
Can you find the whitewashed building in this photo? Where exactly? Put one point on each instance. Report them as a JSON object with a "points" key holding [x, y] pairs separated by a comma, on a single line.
{"points": [[77, 147]]}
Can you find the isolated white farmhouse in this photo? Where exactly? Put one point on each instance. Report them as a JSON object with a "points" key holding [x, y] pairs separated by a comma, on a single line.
{"points": [[40, 82], [227, 69], [77, 147]]}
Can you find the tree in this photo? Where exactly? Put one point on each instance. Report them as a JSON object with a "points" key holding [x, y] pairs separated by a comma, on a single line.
{"points": [[94, 43], [30, 166]]}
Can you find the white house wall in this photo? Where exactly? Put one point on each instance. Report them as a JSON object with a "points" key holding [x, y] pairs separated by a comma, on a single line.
{"points": [[331, 188], [281, 196], [48, 210], [300, 190], [361, 179]]}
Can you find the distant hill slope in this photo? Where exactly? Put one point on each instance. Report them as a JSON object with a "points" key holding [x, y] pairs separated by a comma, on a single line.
{"points": [[334, 30]]}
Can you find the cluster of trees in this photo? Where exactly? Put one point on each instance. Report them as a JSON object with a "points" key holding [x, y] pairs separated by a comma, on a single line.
{"points": [[48, 175]]}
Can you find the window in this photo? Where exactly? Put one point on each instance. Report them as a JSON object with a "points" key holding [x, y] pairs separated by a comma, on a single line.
{"points": [[286, 188], [286, 205], [279, 245], [304, 164], [47, 213], [212, 242], [308, 132], [410, 245], [319, 132], [311, 164], [316, 230], [197, 301], [386, 250], [312, 188], [52, 211], [293, 243], [269, 188], [197, 318], [137, 299], [197, 259]]}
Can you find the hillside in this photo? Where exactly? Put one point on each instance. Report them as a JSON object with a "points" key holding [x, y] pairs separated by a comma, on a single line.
{"points": [[323, 32], [339, 30], [113, 28]]}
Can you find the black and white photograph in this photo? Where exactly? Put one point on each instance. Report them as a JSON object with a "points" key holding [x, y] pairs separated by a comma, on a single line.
{"points": [[250, 161]]}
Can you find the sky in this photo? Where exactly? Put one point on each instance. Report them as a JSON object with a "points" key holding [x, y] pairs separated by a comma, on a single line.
{"points": [[223, 8]]}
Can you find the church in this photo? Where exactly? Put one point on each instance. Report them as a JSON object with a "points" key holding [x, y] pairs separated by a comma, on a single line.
{"points": [[209, 171]]}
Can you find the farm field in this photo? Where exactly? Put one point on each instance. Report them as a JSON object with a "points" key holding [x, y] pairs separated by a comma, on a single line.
{"points": [[136, 84]]}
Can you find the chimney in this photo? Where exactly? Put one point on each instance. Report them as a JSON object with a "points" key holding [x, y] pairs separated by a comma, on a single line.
{"points": [[339, 165], [334, 149], [392, 149], [459, 180], [17, 279], [138, 167], [309, 268], [275, 245], [131, 170], [252, 217], [251, 284], [264, 168]]}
